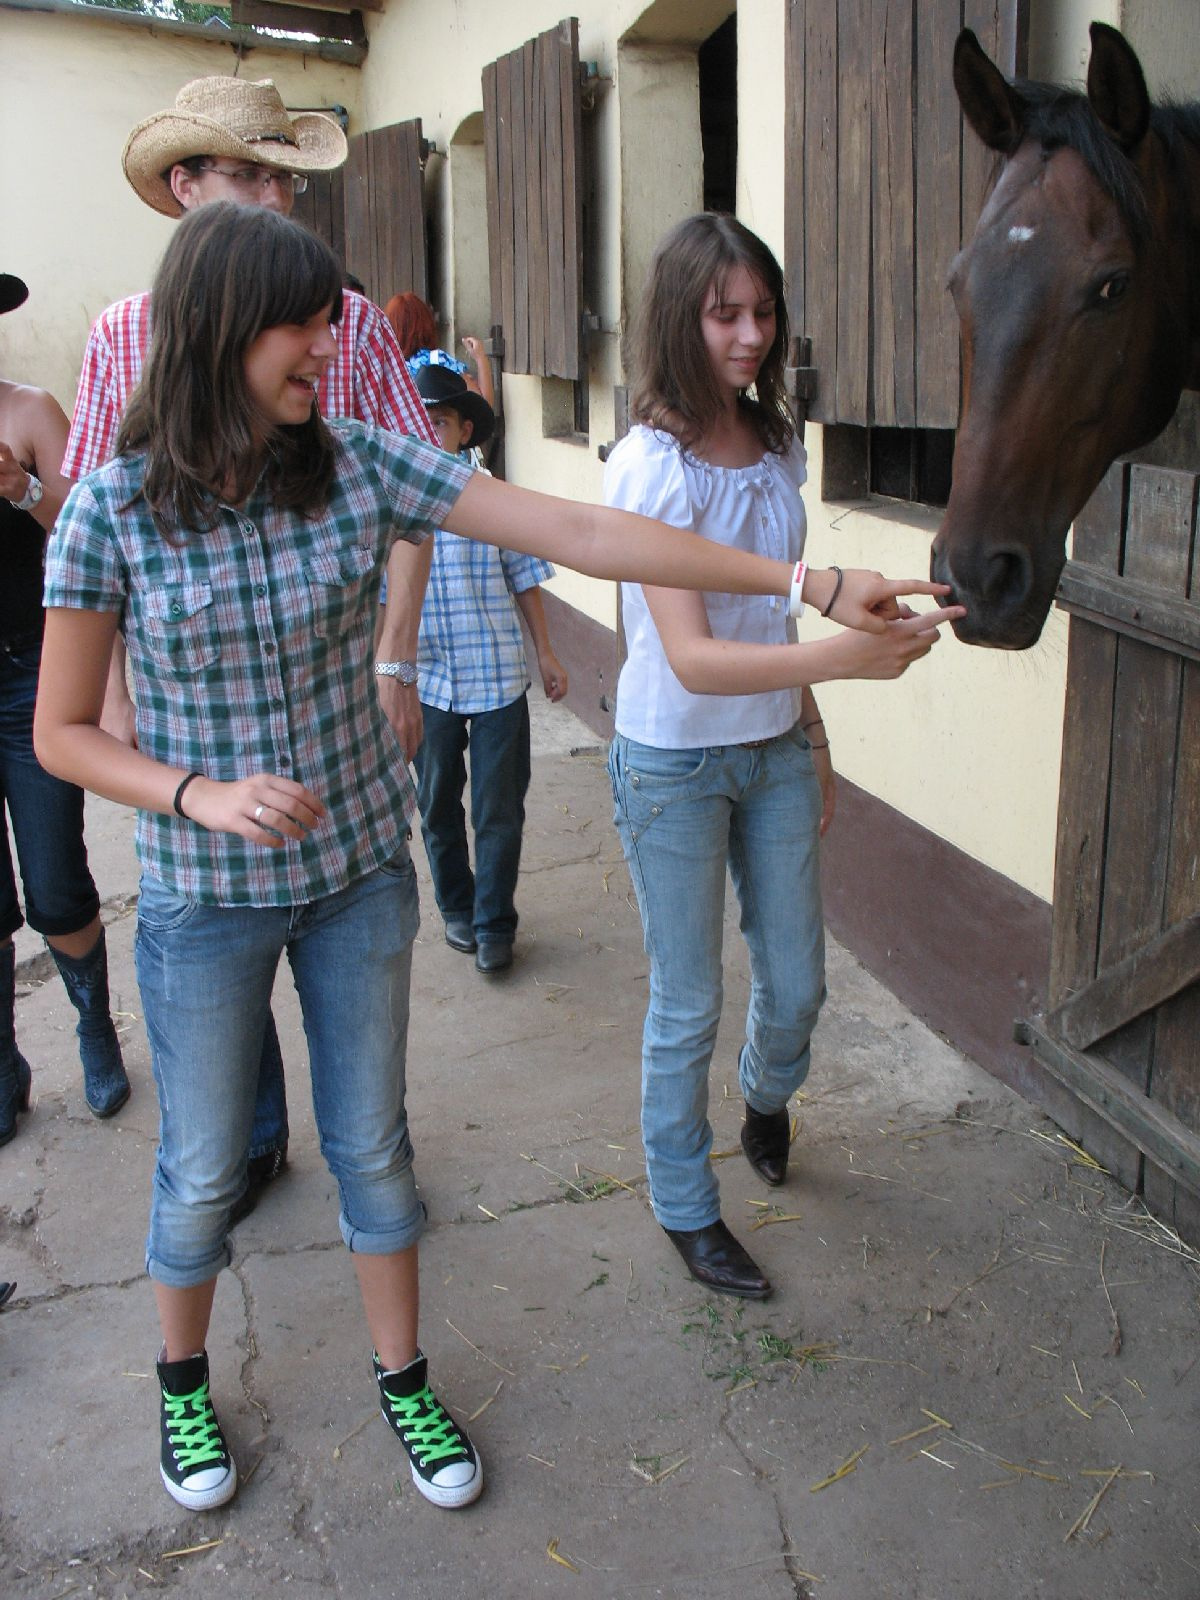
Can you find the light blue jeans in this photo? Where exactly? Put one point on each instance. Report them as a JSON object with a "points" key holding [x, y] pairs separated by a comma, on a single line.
{"points": [[683, 817], [206, 974]]}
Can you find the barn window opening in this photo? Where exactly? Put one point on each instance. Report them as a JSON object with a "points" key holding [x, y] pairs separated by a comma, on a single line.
{"points": [[911, 464], [718, 116]]}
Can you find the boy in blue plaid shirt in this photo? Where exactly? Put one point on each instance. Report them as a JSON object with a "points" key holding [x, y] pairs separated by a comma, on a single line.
{"points": [[472, 685]]}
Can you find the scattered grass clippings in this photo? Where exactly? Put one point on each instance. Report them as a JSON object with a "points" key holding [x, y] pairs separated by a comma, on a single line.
{"points": [[773, 1216], [552, 1552], [847, 1467], [505, 1370], [337, 1449], [657, 1472], [1086, 1415], [1085, 1516], [192, 1549], [919, 1433], [597, 1282], [746, 1383], [479, 1410]]}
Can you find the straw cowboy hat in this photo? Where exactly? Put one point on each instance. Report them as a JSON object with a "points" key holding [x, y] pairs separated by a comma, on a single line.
{"points": [[13, 292], [232, 118]]}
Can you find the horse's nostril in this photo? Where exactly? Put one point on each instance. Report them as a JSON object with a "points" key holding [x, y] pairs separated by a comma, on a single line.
{"points": [[1006, 576]]}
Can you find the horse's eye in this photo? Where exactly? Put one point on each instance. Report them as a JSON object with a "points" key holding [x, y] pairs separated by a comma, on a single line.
{"points": [[1113, 288]]}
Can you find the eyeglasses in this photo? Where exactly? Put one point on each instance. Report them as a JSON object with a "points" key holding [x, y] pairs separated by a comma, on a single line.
{"points": [[252, 179]]}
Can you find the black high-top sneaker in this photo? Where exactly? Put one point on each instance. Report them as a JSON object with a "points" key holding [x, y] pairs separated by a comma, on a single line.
{"points": [[444, 1465], [196, 1466]]}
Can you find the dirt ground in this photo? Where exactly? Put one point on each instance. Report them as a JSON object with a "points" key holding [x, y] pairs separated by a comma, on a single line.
{"points": [[978, 1377]]}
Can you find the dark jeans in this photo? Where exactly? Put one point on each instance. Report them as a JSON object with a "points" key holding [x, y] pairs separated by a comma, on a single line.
{"points": [[46, 815], [498, 742]]}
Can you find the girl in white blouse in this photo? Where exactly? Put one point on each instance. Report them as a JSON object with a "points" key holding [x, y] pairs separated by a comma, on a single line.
{"points": [[720, 757]]}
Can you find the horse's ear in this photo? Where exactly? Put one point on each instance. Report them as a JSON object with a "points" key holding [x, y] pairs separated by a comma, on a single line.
{"points": [[990, 103], [1116, 87]]}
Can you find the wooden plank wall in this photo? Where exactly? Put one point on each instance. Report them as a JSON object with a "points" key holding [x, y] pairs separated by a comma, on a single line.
{"points": [[1129, 816], [882, 183], [534, 150]]}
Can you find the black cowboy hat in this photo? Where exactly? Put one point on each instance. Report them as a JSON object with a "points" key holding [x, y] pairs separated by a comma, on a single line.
{"points": [[442, 386], [13, 292]]}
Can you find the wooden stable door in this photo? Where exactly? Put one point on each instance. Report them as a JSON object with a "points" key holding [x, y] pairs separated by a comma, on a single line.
{"points": [[1122, 1031]]}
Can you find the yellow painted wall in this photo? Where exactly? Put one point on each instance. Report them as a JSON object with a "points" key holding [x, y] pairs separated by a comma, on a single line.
{"points": [[74, 229], [967, 743]]}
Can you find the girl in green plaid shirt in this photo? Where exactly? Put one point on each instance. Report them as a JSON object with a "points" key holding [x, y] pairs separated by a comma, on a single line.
{"points": [[237, 540]]}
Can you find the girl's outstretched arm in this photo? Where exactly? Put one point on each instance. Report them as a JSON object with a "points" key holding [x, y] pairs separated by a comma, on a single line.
{"points": [[604, 543], [70, 743]]}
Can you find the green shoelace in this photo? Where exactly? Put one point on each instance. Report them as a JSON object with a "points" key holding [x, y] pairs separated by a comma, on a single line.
{"points": [[427, 1428], [195, 1438]]}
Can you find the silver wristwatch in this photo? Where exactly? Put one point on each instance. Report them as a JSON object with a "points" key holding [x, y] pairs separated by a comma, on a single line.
{"points": [[406, 671], [33, 493]]}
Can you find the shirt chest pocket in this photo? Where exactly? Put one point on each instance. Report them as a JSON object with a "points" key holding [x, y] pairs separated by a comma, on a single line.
{"points": [[340, 583], [181, 628]]}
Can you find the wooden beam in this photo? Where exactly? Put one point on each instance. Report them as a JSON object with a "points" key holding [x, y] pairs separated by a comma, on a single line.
{"points": [[1155, 972], [328, 5], [1138, 610], [1163, 1138], [295, 18]]}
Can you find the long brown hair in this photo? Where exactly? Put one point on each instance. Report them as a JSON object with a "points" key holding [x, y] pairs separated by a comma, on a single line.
{"points": [[673, 385], [229, 273]]}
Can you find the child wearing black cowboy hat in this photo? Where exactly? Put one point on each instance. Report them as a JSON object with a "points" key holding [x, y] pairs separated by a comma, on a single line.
{"points": [[472, 682]]}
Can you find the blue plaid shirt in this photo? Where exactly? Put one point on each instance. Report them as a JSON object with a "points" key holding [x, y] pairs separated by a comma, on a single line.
{"points": [[470, 652], [250, 647]]}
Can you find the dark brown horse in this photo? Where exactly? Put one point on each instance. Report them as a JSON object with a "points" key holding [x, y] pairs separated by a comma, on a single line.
{"points": [[1079, 299]]}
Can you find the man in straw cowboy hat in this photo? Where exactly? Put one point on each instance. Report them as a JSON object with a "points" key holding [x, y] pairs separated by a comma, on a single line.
{"points": [[229, 139]]}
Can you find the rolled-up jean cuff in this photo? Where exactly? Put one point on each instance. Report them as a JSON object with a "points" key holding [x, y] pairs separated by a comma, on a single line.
{"points": [[401, 1237], [175, 1278]]}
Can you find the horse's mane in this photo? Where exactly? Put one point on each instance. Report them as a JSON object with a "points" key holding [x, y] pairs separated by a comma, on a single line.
{"points": [[1059, 117]]}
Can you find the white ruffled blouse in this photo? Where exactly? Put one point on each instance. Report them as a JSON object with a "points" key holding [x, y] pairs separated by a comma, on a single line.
{"points": [[756, 508]]}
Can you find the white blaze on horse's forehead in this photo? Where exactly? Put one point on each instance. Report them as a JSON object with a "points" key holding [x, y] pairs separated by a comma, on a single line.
{"points": [[1020, 234]]}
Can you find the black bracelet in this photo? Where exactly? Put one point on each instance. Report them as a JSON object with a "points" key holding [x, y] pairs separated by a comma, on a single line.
{"points": [[817, 722], [824, 746], [179, 811], [837, 589]]}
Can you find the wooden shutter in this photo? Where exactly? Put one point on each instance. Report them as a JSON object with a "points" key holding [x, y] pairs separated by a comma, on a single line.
{"points": [[372, 210], [533, 147], [322, 208], [385, 211], [883, 182]]}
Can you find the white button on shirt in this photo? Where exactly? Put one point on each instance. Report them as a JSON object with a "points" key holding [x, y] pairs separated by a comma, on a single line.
{"points": [[756, 508]]}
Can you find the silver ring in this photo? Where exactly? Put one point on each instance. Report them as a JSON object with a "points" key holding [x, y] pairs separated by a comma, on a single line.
{"points": [[258, 811]]}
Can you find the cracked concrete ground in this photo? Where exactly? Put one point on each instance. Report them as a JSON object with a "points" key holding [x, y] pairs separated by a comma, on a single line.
{"points": [[950, 1277]]}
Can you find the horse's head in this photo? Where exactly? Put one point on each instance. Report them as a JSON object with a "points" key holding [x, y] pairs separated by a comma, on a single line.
{"points": [[1075, 327]]}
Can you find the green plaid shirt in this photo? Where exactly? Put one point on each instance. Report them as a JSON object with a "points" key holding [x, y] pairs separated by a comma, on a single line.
{"points": [[250, 647]]}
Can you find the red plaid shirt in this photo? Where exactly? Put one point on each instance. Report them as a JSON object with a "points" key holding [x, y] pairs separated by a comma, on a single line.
{"points": [[368, 379]]}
